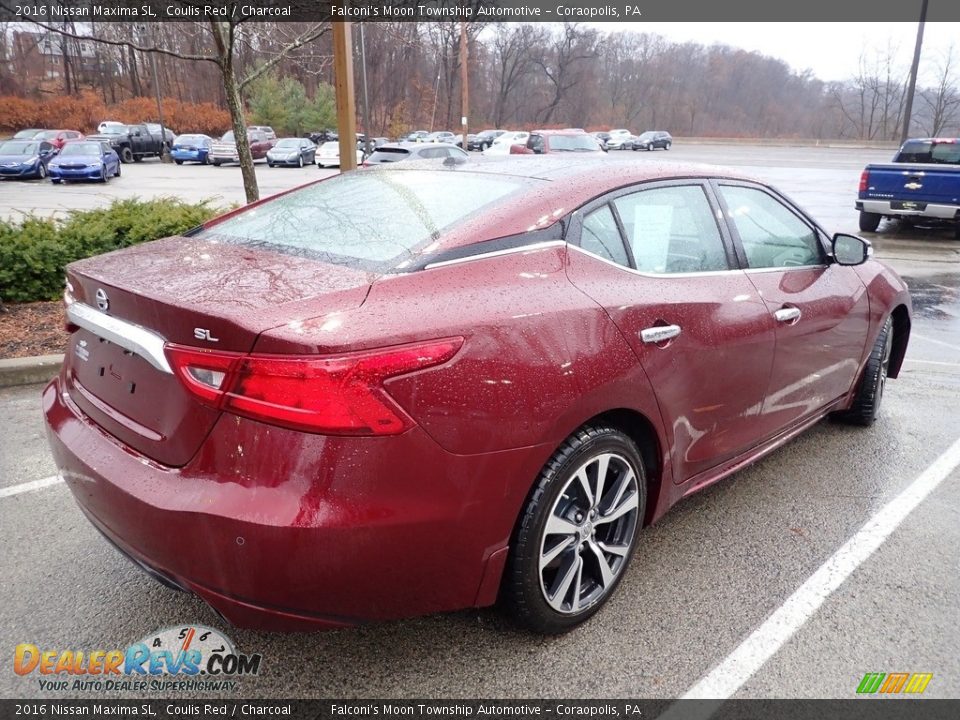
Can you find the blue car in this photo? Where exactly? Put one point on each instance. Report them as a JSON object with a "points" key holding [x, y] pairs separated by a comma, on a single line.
{"points": [[84, 160], [191, 148], [25, 158]]}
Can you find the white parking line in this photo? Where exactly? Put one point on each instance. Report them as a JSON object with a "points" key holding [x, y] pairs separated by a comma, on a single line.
{"points": [[725, 679], [30, 486], [935, 342]]}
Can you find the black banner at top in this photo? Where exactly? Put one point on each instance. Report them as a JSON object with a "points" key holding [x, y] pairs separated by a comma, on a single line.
{"points": [[639, 11]]}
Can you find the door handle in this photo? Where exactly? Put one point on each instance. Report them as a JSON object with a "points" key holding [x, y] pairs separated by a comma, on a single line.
{"points": [[659, 333], [787, 314]]}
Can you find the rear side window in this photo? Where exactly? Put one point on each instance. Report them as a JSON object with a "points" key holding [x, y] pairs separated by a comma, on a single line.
{"points": [[389, 154], [927, 151], [371, 220], [672, 230], [601, 236]]}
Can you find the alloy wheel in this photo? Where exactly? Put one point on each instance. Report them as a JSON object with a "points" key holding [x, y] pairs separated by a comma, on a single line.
{"points": [[589, 533]]}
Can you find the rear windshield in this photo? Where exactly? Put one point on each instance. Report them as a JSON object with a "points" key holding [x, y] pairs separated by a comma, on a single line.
{"points": [[288, 143], [189, 139], [372, 220], [385, 154], [927, 151]]}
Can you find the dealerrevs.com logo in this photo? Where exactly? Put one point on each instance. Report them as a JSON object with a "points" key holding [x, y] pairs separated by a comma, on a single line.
{"points": [[190, 657]]}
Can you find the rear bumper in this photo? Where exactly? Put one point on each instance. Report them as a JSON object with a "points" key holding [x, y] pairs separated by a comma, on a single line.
{"points": [[188, 155], [279, 530], [932, 210]]}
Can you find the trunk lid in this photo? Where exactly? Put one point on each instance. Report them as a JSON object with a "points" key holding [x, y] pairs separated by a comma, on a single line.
{"points": [[191, 292]]}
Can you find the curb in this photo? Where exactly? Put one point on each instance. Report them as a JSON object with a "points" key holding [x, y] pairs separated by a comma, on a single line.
{"points": [[29, 370]]}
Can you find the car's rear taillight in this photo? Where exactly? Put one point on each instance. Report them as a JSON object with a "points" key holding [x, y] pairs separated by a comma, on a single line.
{"points": [[864, 180], [331, 394]]}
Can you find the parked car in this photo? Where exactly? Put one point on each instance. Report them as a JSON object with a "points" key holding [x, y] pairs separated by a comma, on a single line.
{"points": [[415, 136], [501, 146], [168, 135], [375, 142], [27, 134], [543, 142], [430, 404], [193, 147], [132, 143], [395, 152], [293, 152], [620, 139], [265, 129], [651, 140], [483, 139], [319, 137], [602, 138], [458, 139], [225, 150], [58, 137], [25, 158], [84, 160], [328, 155], [921, 184], [444, 136]]}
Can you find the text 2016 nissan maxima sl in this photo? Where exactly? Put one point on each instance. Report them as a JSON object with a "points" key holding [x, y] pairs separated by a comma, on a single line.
{"points": [[481, 387]]}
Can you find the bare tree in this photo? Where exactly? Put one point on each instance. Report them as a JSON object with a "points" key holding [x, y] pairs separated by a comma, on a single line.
{"points": [[561, 64], [942, 101]]}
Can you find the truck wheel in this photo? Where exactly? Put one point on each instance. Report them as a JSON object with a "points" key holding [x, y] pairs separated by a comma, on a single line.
{"points": [[137, 158], [179, 162], [55, 181], [216, 163], [126, 155], [869, 222]]}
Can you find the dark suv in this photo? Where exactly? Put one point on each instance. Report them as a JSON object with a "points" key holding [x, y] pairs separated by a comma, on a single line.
{"points": [[653, 139]]}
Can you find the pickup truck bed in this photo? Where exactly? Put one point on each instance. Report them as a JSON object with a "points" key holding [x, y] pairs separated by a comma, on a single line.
{"points": [[922, 182]]}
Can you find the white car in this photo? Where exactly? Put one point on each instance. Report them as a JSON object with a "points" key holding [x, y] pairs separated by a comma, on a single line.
{"points": [[501, 146], [265, 129], [620, 139], [328, 155]]}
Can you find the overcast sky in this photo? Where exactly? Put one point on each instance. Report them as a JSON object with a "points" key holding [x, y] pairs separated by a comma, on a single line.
{"points": [[831, 50]]}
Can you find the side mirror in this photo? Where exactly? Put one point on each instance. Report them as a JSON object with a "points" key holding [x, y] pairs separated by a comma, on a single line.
{"points": [[850, 249]]}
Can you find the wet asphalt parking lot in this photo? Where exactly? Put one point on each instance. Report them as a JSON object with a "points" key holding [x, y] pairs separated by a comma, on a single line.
{"points": [[703, 580]]}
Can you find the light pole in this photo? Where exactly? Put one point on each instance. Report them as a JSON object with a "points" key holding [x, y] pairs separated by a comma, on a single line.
{"points": [[914, 68]]}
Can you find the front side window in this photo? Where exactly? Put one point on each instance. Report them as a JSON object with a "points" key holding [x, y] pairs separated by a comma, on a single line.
{"points": [[771, 234], [672, 230]]}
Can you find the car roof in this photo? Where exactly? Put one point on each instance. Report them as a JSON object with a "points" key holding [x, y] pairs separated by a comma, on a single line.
{"points": [[553, 187], [567, 131]]}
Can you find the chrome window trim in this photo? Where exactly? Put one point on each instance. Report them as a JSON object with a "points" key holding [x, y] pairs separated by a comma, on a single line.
{"points": [[145, 343], [497, 253], [658, 276], [785, 268]]}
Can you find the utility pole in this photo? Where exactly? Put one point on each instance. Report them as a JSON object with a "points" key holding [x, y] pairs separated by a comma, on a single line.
{"points": [[164, 150], [914, 69], [464, 90], [343, 85], [366, 99]]}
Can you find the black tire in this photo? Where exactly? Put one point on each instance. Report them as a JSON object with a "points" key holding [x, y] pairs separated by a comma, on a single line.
{"points": [[869, 394], [667, 146], [103, 174], [869, 222], [117, 173], [138, 158], [216, 163], [126, 155], [56, 181], [300, 161], [206, 160], [179, 162], [42, 171], [557, 495]]}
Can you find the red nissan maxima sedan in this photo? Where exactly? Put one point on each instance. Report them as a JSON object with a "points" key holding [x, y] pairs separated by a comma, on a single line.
{"points": [[481, 387]]}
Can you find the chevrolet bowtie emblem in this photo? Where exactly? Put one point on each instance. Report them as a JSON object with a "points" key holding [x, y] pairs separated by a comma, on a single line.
{"points": [[913, 186]]}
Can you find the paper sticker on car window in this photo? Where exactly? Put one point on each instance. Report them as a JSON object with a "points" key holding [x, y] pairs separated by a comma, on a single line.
{"points": [[652, 227]]}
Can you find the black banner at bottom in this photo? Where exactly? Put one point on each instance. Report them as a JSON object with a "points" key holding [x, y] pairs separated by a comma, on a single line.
{"points": [[872, 708]]}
